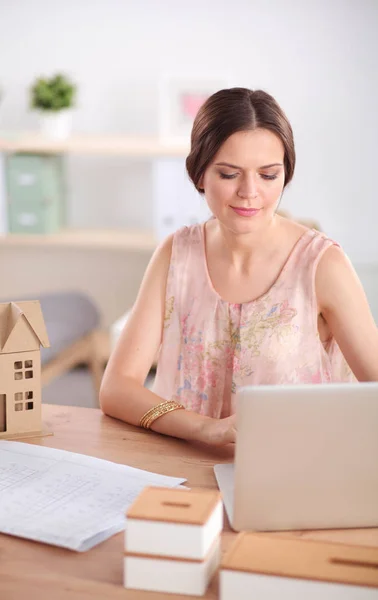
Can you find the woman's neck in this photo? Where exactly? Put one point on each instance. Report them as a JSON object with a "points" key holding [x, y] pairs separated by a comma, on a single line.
{"points": [[241, 250]]}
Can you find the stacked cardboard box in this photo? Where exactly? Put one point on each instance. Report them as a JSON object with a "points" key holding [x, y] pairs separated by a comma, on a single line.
{"points": [[275, 568], [172, 540]]}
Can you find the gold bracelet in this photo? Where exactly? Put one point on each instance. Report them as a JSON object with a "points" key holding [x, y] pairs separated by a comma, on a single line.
{"points": [[158, 411], [152, 410]]}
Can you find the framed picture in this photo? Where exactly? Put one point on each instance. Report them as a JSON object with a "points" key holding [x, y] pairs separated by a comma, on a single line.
{"points": [[179, 101]]}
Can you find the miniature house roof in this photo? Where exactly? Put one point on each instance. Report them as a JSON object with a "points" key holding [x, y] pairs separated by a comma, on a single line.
{"points": [[22, 327]]}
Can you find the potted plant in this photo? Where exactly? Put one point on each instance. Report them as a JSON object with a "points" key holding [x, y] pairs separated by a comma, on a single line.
{"points": [[54, 99]]}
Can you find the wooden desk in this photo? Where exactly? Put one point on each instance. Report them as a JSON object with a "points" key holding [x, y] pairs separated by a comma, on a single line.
{"points": [[32, 570]]}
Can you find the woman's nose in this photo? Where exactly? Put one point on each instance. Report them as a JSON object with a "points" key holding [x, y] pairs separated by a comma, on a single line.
{"points": [[248, 189]]}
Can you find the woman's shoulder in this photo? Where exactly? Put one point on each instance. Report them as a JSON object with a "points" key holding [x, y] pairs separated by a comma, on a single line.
{"points": [[305, 230], [311, 246], [176, 244], [295, 234], [186, 236], [293, 229]]}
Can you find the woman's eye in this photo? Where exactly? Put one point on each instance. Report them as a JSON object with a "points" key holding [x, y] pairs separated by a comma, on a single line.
{"points": [[228, 176], [270, 177]]}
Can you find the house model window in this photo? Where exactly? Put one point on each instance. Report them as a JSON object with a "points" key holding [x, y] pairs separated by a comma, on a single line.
{"points": [[18, 400], [22, 333], [23, 374]]}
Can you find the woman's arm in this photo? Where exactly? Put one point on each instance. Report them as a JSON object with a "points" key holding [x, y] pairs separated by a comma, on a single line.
{"points": [[344, 306], [122, 393]]}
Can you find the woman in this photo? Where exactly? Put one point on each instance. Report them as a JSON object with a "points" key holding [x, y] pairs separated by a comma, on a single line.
{"points": [[248, 297]]}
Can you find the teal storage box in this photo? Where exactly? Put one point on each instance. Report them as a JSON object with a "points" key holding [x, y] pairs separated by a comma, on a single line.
{"points": [[36, 193]]}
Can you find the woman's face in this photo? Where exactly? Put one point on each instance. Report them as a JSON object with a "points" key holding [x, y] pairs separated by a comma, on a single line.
{"points": [[244, 182]]}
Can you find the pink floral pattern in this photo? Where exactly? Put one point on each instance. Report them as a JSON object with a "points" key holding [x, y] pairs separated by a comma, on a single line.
{"points": [[211, 348]]}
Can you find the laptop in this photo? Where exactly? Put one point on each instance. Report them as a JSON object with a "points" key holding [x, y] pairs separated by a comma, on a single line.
{"points": [[306, 458]]}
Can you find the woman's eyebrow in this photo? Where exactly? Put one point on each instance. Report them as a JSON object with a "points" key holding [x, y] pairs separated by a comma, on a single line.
{"points": [[272, 165], [225, 164]]}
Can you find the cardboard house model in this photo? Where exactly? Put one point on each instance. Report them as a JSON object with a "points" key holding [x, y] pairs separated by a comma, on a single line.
{"points": [[22, 332]]}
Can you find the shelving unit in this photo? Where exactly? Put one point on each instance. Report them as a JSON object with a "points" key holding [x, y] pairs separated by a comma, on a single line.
{"points": [[163, 156], [142, 241], [92, 144], [106, 264]]}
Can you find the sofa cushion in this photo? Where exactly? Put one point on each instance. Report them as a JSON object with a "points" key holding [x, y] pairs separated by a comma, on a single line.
{"points": [[68, 316]]}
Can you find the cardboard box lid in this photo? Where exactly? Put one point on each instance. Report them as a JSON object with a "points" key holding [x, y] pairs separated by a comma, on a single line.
{"points": [[22, 327], [303, 559], [192, 507]]}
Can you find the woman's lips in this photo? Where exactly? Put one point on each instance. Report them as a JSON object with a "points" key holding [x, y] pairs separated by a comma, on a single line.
{"points": [[245, 212]]}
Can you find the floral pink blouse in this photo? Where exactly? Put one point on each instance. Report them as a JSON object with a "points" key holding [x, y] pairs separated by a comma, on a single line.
{"points": [[211, 347]]}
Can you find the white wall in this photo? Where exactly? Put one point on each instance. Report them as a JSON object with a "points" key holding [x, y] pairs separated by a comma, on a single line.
{"points": [[319, 58]]}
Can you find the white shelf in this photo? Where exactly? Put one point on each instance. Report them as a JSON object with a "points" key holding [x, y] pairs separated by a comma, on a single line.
{"points": [[133, 240], [92, 144]]}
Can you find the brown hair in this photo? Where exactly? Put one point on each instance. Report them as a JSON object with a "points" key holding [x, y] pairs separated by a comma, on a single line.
{"points": [[229, 111]]}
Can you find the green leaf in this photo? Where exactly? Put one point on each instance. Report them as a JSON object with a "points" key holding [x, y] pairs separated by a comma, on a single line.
{"points": [[54, 94]]}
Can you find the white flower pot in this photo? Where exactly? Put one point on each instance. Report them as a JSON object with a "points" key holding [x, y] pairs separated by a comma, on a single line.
{"points": [[56, 125]]}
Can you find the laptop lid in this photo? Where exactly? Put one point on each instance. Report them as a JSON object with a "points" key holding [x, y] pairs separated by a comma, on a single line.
{"points": [[306, 457]]}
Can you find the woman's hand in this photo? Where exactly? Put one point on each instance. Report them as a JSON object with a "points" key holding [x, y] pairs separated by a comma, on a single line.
{"points": [[219, 432]]}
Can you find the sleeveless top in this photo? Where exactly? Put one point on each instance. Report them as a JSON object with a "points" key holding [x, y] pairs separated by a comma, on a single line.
{"points": [[211, 347]]}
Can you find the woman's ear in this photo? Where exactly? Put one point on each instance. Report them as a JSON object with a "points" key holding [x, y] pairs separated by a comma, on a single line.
{"points": [[200, 187]]}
